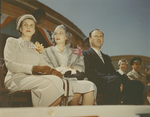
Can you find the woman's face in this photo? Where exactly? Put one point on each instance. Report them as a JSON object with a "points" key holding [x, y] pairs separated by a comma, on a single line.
{"points": [[123, 66], [60, 36], [28, 27]]}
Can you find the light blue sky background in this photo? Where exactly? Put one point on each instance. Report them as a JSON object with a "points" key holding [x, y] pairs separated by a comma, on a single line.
{"points": [[125, 23]]}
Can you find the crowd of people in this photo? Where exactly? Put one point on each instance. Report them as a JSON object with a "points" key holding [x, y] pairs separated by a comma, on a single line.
{"points": [[62, 76]]}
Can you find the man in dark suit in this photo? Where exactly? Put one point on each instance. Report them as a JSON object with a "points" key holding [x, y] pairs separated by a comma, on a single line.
{"points": [[99, 69]]}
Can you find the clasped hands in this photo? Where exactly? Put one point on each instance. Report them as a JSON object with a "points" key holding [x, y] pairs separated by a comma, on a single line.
{"points": [[45, 70]]}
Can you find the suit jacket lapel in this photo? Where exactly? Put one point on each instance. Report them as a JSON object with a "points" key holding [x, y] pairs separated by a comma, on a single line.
{"points": [[98, 59], [94, 55], [106, 65], [136, 74]]}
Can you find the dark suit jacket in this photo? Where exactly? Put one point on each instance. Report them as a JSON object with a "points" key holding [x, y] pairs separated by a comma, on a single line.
{"points": [[95, 70]]}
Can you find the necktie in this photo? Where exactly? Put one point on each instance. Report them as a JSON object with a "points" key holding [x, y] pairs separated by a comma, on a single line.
{"points": [[100, 55]]}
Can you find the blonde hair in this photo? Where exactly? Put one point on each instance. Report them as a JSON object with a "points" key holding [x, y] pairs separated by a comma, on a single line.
{"points": [[122, 60], [67, 33]]}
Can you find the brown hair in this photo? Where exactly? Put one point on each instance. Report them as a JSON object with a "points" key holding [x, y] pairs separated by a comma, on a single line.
{"points": [[94, 30]]}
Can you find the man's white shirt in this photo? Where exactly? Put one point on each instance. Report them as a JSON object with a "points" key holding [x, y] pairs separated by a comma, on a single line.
{"points": [[99, 54]]}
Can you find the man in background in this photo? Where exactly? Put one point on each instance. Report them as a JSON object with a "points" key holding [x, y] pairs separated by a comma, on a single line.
{"points": [[135, 74]]}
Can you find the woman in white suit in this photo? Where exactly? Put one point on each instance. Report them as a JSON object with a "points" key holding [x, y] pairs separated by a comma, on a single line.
{"points": [[27, 69], [63, 59]]}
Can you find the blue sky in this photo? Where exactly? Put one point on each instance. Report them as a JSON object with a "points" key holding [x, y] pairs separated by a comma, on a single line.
{"points": [[125, 23]]}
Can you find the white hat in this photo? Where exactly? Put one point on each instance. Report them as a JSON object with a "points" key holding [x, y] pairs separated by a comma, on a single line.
{"points": [[23, 17]]}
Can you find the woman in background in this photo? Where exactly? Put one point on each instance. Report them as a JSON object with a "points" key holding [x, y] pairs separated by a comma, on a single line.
{"points": [[27, 69], [71, 65]]}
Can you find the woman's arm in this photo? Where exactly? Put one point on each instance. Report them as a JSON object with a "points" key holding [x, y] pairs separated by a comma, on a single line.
{"points": [[78, 64], [46, 58], [10, 55], [74, 68]]}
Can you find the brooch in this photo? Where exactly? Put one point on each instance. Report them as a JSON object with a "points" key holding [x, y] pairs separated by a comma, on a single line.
{"points": [[39, 47]]}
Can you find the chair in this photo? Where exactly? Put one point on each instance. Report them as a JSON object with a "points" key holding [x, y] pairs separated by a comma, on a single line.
{"points": [[147, 100], [99, 99], [3, 91], [16, 99]]}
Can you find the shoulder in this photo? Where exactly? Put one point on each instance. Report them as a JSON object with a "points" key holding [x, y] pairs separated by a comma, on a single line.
{"points": [[129, 73], [86, 52], [11, 39], [118, 71], [69, 49], [105, 55], [72, 52], [143, 75], [49, 49]]}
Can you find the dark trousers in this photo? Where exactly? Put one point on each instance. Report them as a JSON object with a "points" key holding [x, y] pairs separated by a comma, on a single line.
{"points": [[132, 90], [110, 90]]}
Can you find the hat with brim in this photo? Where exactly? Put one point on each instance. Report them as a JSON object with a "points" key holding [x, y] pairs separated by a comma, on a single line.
{"points": [[23, 17], [135, 59]]}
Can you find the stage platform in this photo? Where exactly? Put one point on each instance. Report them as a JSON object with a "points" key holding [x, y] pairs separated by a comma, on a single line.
{"points": [[78, 111]]}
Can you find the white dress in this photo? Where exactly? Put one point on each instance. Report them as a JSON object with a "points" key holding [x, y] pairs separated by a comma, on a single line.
{"points": [[67, 58], [20, 56]]}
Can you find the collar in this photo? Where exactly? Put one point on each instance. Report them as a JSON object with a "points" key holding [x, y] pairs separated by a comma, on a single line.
{"points": [[65, 50], [121, 72], [134, 71], [27, 44], [97, 51]]}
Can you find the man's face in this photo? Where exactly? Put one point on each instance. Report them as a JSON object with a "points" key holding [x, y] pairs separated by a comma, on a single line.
{"points": [[96, 39], [136, 66]]}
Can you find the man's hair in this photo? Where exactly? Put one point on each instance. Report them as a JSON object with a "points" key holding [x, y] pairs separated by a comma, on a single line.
{"points": [[94, 30], [135, 59]]}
